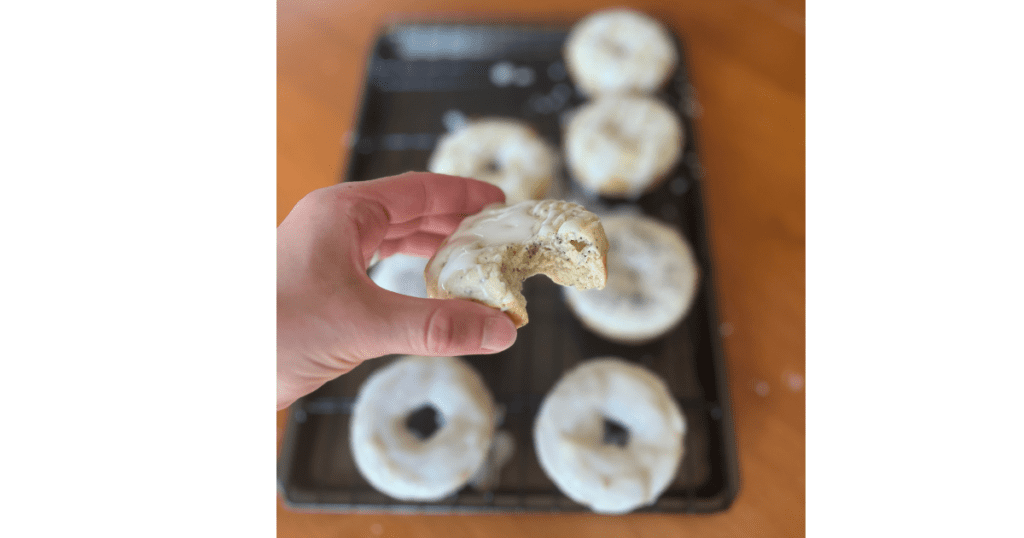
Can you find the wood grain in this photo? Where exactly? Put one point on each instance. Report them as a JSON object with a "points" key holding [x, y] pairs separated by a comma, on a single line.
{"points": [[747, 63]]}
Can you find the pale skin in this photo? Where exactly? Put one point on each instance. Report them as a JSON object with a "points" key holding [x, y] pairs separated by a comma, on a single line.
{"points": [[331, 317]]}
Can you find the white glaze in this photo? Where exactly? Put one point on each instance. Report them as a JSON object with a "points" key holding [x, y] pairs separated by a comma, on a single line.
{"points": [[619, 50], [569, 427], [490, 254], [632, 139], [396, 462], [495, 226], [652, 280], [502, 152]]}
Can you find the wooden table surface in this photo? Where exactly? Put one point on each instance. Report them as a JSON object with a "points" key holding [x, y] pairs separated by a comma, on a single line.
{"points": [[746, 58]]}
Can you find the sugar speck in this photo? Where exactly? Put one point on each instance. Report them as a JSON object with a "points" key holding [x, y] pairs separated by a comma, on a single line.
{"points": [[502, 74]]}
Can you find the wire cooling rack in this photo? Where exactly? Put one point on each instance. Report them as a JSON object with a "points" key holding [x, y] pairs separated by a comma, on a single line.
{"points": [[423, 80]]}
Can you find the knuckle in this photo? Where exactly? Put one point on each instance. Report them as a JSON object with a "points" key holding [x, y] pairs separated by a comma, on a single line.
{"points": [[439, 333], [316, 198], [328, 197]]}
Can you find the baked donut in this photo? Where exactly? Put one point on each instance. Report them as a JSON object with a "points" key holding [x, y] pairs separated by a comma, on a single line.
{"points": [[503, 152], [402, 274], [623, 146], [619, 51], [489, 255], [394, 414], [610, 435], [652, 281]]}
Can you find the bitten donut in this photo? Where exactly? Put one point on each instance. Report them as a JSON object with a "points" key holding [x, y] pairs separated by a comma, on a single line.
{"points": [[503, 152], [619, 51], [623, 146], [395, 411], [610, 435], [652, 281], [489, 255], [401, 273]]}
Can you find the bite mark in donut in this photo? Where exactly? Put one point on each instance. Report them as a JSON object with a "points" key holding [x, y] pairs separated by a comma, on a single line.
{"points": [[489, 255]]}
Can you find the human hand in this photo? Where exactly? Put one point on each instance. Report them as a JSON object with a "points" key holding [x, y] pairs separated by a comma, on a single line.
{"points": [[331, 316]]}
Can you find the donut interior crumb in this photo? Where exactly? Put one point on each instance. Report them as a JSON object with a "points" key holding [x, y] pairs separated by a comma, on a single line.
{"points": [[566, 261], [556, 238]]}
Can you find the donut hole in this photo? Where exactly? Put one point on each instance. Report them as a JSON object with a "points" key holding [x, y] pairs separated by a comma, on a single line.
{"points": [[611, 130], [424, 421], [614, 433], [492, 166], [616, 132], [617, 49]]}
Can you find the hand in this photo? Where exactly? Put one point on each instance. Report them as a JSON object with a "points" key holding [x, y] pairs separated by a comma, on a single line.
{"points": [[331, 316]]}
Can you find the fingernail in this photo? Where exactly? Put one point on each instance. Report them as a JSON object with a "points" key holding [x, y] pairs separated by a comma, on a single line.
{"points": [[499, 333]]}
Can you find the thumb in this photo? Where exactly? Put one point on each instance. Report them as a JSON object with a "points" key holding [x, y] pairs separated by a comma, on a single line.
{"points": [[446, 327]]}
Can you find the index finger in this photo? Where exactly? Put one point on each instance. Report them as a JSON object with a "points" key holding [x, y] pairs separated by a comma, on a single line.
{"points": [[417, 194]]}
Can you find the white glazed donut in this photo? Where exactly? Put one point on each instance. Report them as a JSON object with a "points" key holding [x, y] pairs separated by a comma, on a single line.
{"points": [[503, 152], [489, 255], [619, 51], [578, 450], [392, 457], [652, 281], [623, 146], [402, 274]]}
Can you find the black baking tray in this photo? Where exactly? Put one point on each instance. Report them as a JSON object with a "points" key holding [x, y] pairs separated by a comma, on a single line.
{"points": [[422, 77]]}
